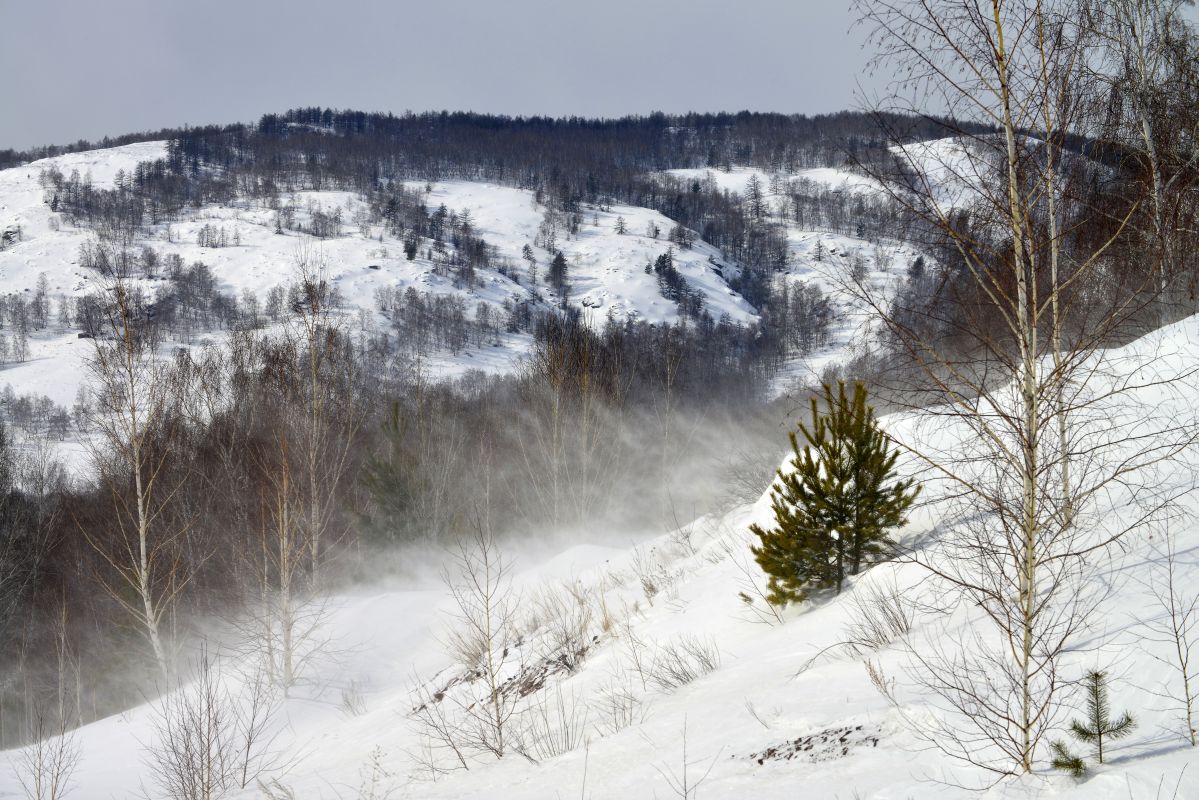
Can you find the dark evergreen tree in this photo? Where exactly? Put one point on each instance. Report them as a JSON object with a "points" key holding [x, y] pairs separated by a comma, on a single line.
{"points": [[836, 503], [557, 274]]}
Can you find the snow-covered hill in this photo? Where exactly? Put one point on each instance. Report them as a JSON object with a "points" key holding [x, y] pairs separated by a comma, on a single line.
{"points": [[607, 273], [822, 258], [606, 269], [47, 246], [755, 705]]}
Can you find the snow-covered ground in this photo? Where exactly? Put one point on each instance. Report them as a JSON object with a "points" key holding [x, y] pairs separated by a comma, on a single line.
{"points": [[770, 720], [949, 171]]}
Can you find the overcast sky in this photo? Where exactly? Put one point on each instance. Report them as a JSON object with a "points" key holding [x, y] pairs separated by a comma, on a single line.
{"points": [[87, 68]]}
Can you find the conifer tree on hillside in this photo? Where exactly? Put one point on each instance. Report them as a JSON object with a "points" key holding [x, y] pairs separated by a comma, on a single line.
{"points": [[835, 505], [557, 274]]}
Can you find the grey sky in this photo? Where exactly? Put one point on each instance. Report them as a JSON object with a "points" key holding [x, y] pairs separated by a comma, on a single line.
{"points": [[88, 68]]}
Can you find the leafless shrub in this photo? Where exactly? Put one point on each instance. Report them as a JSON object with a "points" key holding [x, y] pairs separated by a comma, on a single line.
{"points": [[480, 583], [612, 578], [567, 613], [353, 704], [438, 730], [750, 588], [682, 539], [843, 648], [682, 661], [879, 615], [652, 574], [757, 715], [273, 790], [714, 555], [553, 724], [747, 476], [617, 706], [607, 622], [209, 742], [880, 681], [453, 720], [375, 780], [637, 655], [44, 768], [484, 618], [645, 567]]}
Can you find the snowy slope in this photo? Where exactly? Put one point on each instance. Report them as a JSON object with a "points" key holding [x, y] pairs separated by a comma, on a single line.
{"points": [[824, 259], [54, 366], [826, 731], [605, 273], [606, 270], [957, 172], [952, 176], [735, 179], [656, 592]]}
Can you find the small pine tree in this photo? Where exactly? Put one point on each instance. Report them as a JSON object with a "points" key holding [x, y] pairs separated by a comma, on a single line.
{"points": [[1099, 725], [835, 505], [1094, 730], [1064, 760]]}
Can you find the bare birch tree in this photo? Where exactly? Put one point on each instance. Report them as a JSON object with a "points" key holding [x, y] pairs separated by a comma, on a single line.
{"points": [[131, 405], [284, 629], [210, 741], [327, 426], [454, 720], [281, 571], [1032, 428], [572, 458], [1177, 630], [480, 582], [1146, 62], [44, 769]]}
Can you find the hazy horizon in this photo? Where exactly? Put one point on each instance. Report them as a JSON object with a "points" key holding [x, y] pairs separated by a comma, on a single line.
{"points": [[129, 65]]}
